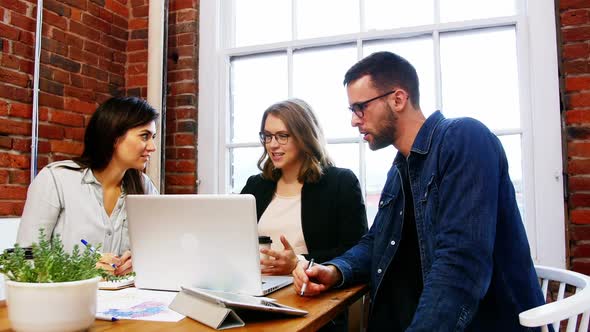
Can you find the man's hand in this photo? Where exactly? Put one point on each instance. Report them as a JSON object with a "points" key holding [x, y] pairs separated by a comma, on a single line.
{"points": [[324, 277], [279, 262]]}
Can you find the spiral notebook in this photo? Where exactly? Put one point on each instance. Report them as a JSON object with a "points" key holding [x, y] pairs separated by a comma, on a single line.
{"points": [[117, 284]]}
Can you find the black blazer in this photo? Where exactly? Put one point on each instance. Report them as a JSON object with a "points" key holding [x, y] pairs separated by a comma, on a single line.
{"points": [[333, 216]]}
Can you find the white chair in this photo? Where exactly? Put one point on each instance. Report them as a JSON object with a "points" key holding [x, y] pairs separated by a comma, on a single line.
{"points": [[8, 230], [563, 307]]}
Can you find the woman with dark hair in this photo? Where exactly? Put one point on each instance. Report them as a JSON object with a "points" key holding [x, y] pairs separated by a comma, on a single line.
{"points": [[308, 207], [84, 198]]}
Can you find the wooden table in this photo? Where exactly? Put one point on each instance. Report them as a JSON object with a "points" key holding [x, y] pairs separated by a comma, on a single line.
{"points": [[321, 309]]}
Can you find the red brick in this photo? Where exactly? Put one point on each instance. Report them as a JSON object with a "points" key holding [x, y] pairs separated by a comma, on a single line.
{"points": [[67, 147], [76, 15], [82, 94], [96, 23], [116, 7], [14, 160], [26, 66], [15, 93], [575, 51], [3, 176], [180, 190], [180, 179], [580, 216], [136, 57], [19, 176], [191, 87], [187, 16], [141, 11], [49, 100], [573, 4], [119, 21], [136, 45], [577, 83], [21, 110], [21, 144], [181, 166], [12, 127], [181, 4], [55, 20], [51, 131], [66, 118], [138, 23], [14, 77], [5, 142], [75, 105], [23, 22], [140, 68], [84, 31], [576, 34], [579, 100], [580, 249], [8, 32], [13, 192], [8, 208], [574, 17], [137, 80], [9, 61], [581, 266], [61, 76], [76, 134], [14, 5], [22, 49]]}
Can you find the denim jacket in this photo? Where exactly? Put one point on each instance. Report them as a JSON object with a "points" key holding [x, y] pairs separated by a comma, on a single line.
{"points": [[476, 265]]}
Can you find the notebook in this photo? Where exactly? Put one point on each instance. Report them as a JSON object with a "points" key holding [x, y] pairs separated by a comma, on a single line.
{"points": [[200, 241]]}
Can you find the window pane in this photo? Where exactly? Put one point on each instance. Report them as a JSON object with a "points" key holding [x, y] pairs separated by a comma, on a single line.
{"points": [[254, 17], [389, 14], [459, 10], [419, 52], [326, 18], [256, 83], [512, 147], [480, 76], [317, 78], [242, 166], [345, 156], [377, 165]]}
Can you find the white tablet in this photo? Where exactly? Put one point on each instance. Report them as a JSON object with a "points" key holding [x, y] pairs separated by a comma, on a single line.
{"points": [[240, 301]]}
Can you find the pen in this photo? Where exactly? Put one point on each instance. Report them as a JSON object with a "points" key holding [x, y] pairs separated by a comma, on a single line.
{"points": [[305, 284], [105, 317], [91, 248]]}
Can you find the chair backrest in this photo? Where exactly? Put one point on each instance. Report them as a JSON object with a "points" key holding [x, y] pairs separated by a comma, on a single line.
{"points": [[8, 230], [563, 307]]}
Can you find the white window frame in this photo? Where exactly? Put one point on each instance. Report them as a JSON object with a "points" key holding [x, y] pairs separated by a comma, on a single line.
{"points": [[538, 77]]}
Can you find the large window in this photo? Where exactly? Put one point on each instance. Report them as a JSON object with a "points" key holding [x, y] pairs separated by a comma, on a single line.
{"points": [[474, 58]]}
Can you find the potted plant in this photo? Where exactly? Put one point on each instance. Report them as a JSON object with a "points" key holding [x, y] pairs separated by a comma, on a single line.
{"points": [[53, 291]]}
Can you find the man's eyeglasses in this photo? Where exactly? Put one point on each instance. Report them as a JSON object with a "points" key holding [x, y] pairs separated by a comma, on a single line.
{"points": [[359, 108], [281, 138]]}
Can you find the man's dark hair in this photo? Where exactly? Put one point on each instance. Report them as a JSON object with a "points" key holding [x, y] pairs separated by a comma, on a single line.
{"points": [[387, 71]]}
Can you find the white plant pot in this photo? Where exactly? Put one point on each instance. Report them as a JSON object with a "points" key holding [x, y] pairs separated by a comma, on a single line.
{"points": [[48, 307]]}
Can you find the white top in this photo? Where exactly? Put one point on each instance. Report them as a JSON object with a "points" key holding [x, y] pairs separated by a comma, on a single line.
{"points": [[283, 217], [69, 202]]}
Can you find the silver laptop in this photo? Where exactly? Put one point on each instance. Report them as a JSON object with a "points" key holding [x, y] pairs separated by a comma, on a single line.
{"points": [[199, 241]]}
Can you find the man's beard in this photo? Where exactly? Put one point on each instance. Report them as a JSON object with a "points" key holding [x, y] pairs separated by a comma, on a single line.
{"points": [[386, 132]]}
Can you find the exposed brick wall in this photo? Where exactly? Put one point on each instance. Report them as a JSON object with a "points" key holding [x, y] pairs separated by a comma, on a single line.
{"points": [[91, 50], [182, 89], [574, 18], [182, 96]]}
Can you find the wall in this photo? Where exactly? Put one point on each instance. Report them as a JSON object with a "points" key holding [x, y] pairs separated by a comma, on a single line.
{"points": [[91, 50], [574, 18]]}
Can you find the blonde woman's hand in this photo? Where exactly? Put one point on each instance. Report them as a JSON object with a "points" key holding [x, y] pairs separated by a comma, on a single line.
{"points": [[279, 262]]}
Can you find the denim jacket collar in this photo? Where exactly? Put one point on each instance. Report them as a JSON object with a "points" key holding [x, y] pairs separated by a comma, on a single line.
{"points": [[424, 138]]}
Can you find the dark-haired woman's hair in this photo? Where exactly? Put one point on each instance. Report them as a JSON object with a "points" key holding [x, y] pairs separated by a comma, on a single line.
{"points": [[306, 133], [110, 121]]}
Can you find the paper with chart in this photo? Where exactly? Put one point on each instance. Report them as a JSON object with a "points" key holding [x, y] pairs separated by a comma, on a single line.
{"points": [[137, 304]]}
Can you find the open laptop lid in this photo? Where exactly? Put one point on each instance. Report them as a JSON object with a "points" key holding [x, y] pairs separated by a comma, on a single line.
{"points": [[202, 241]]}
